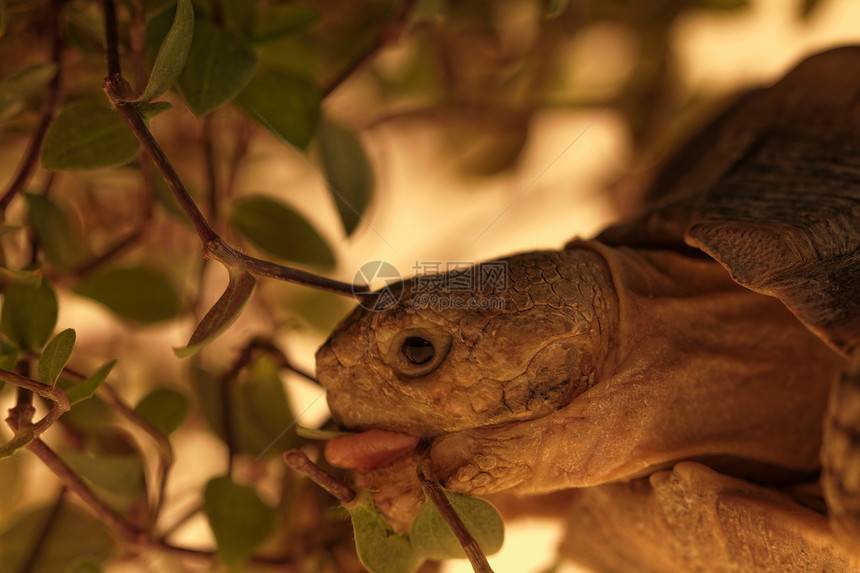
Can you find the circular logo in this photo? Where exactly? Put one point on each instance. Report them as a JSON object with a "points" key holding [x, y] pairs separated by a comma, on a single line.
{"points": [[384, 297]]}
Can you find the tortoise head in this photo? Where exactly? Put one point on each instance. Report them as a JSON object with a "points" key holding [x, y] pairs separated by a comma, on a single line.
{"points": [[593, 364], [500, 342]]}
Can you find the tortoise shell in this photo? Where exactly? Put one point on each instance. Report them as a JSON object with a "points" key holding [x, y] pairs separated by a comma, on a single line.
{"points": [[776, 199]]}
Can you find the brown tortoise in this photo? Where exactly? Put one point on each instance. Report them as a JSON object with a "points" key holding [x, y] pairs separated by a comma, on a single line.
{"points": [[685, 378]]}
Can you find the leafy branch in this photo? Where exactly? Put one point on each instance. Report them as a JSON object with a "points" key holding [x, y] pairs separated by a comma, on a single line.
{"points": [[243, 269]]}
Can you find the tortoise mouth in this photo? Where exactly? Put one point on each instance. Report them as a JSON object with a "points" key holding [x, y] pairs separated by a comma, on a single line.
{"points": [[369, 450]]}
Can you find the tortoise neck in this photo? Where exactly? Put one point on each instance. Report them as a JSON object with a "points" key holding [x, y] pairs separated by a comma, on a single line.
{"points": [[703, 366]]}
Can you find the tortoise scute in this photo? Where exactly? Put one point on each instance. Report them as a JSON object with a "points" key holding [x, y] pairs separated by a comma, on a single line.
{"points": [[785, 221]]}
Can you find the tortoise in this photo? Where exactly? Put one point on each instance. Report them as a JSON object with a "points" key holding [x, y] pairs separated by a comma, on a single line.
{"points": [[683, 381]]}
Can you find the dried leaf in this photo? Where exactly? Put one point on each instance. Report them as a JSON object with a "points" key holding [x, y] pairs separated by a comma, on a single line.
{"points": [[222, 314]]}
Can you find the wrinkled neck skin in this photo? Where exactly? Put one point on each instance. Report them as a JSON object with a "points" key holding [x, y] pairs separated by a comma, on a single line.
{"points": [[699, 368]]}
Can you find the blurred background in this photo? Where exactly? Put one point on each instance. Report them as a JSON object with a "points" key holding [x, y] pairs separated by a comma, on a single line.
{"points": [[474, 130]]}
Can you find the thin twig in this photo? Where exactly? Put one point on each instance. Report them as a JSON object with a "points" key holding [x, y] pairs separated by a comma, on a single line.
{"points": [[71, 480], [52, 393], [299, 461], [389, 35], [434, 491], [42, 537], [29, 163], [165, 448], [119, 93]]}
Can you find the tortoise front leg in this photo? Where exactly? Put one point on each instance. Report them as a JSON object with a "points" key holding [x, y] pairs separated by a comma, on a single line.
{"points": [[692, 518], [840, 457]]}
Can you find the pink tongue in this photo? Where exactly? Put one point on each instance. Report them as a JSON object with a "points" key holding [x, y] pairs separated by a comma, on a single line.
{"points": [[368, 450]]}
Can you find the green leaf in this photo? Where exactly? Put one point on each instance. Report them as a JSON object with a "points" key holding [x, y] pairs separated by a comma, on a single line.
{"points": [[379, 547], [164, 409], [317, 434], [348, 171], [281, 19], [29, 314], [263, 417], [22, 86], [280, 231], [54, 231], [119, 475], [54, 357], [287, 105], [222, 314], [74, 533], [239, 520], [88, 136], [432, 537], [219, 65], [172, 53], [88, 387], [8, 357], [135, 293]]}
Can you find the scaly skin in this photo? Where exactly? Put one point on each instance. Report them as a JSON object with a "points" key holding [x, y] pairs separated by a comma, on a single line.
{"points": [[605, 364]]}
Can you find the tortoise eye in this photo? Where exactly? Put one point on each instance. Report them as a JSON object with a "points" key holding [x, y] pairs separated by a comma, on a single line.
{"points": [[418, 350]]}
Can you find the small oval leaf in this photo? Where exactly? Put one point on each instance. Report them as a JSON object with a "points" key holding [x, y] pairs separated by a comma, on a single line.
{"points": [[74, 533], [29, 314], [164, 409], [53, 229], [263, 423], [432, 537], [118, 474], [135, 293], [280, 231], [348, 171], [239, 520], [218, 66], [379, 547], [88, 136], [88, 387], [54, 357], [22, 86], [287, 105], [172, 53], [222, 314]]}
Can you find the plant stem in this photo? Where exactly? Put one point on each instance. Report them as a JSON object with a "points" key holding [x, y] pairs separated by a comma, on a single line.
{"points": [[52, 393], [388, 35], [434, 491], [29, 163], [119, 93], [300, 462]]}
